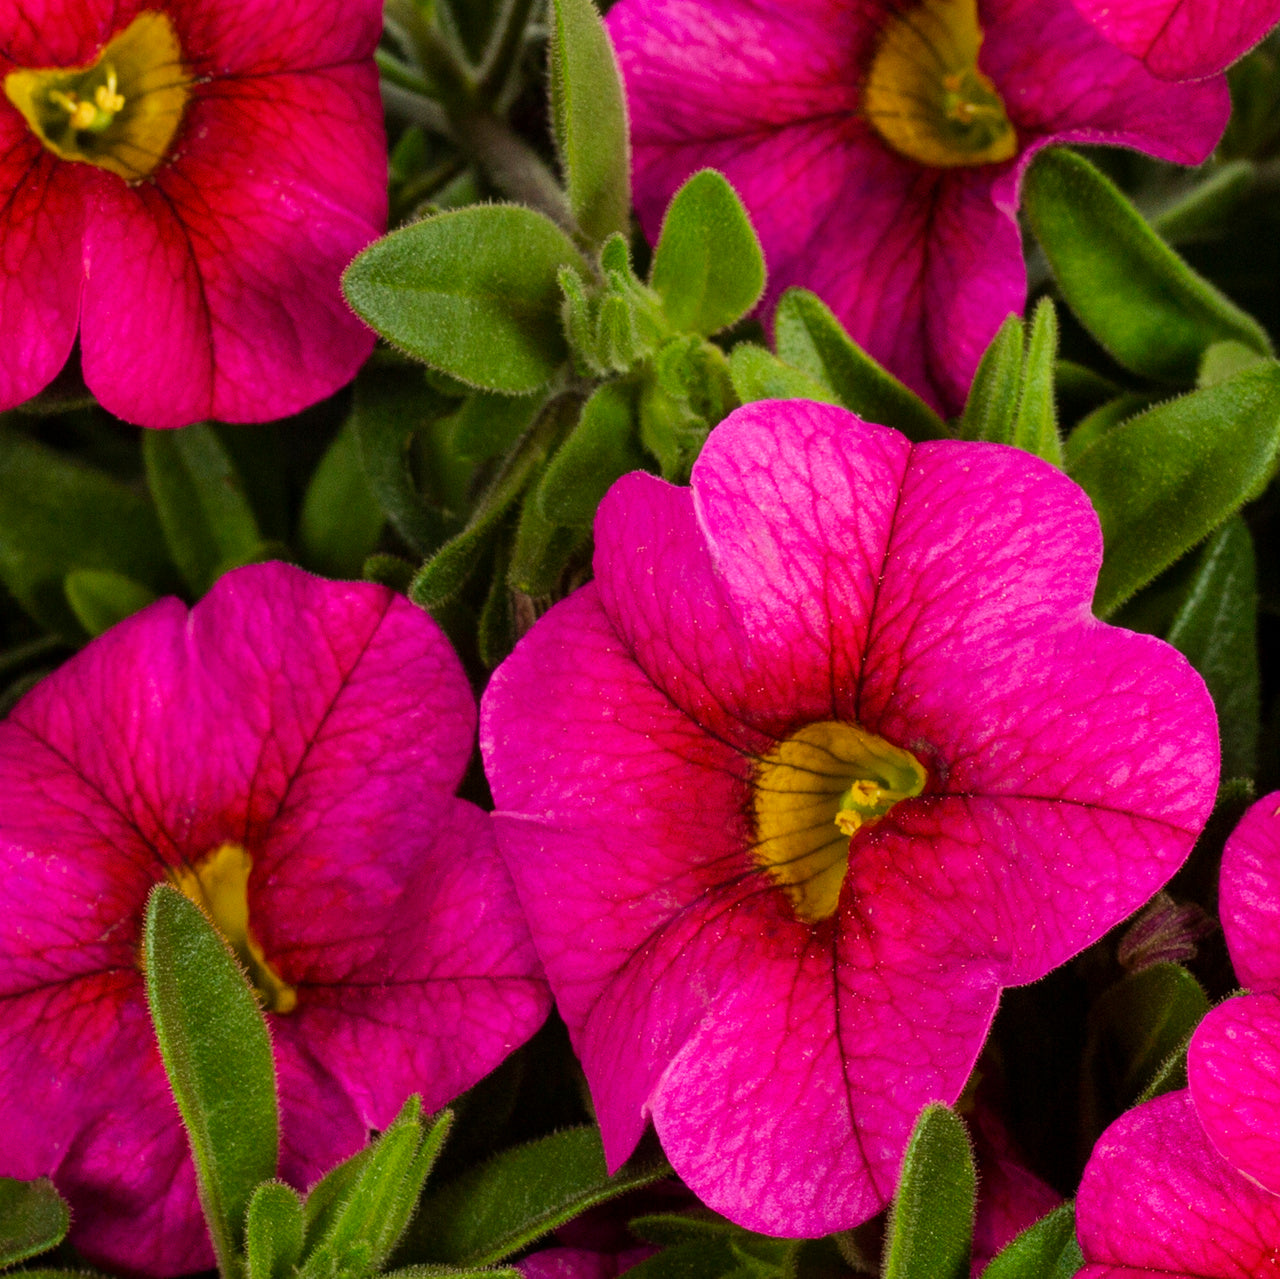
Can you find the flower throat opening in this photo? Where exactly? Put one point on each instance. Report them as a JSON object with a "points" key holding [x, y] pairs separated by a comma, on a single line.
{"points": [[812, 793], [121, 112], [219, 884], [924, 93]]}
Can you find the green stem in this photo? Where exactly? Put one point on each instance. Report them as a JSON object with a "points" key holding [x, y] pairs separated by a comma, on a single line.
{"points": [[504, 50], [416, 109], [398, 73], [514, 167]]}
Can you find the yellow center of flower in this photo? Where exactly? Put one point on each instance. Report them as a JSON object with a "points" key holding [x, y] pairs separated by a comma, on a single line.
{"points": [[925, 95], [120, 112], [220, 884], [813, 792]]}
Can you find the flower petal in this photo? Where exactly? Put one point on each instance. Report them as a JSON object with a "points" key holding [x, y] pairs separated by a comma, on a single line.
{"points": [[1183, 39], [1233, 1070], [1250, 894]]}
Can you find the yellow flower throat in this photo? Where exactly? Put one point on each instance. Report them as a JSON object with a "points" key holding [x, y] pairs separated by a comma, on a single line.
{"points": [[122, 111], [813, 792], [924, 93]]}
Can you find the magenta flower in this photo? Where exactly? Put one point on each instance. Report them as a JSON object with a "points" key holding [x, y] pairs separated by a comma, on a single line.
{"points": [[1157, 1199], [183, 183], [1183, 39], [829, 752], [288, 748], [879, 147], [1233, 1064]]}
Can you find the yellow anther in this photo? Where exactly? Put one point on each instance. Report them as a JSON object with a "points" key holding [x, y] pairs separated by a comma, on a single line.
{"points": [[106, 95]]}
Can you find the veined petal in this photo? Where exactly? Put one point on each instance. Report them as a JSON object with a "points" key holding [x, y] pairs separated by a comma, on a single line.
{"points": [[1250, 894]]}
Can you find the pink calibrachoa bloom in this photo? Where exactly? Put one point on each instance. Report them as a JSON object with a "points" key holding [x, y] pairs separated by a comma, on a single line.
{"points": [[879, 146], [289, 748], [1233, 1063], [182, 181], [1157, 1199], [829, 752], [1183, 39]]}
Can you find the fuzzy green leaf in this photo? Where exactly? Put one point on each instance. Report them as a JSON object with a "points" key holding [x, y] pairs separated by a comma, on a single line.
{"points": [[812, 340], [598, 450], [273, 1231], [708, 268], [1040, 1251], [1164, 480], [992, 406], [758, 374], [589, 119], [217, 1055], [33, 1219], [931, 1222], [1137, 297], [1035, 425], [207, 520], [473, 293]]}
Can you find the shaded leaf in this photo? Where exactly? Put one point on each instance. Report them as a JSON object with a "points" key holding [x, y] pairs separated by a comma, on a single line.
{"points": [[100, 598], [1042, 1251], [758, 374], [341, 519], [33, 1219], [992, 404]]}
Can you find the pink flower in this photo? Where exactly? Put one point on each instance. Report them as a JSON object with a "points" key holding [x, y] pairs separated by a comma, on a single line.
{"points": [[1233, 1064], [1157, 1199], [879, 146], [300, 739], [183, 183], [829, 752], [1183, 39]]}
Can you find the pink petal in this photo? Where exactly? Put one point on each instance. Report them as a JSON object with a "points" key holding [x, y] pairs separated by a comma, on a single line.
{"points": [[1233, 1068], [41, 211], [1156, 1199], [1250, 895], [59, 33], [214, 291], [1183, 39]]}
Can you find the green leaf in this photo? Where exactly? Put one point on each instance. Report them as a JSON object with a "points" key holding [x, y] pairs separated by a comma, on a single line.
{"points": [[589, 118], [931, 1222], [1035, 425], [354, 1230], [1040, 1251], [1164, 480], [758, 374], [520, 1195], [1223, 360], [473, 292], [708, 268], [1133, 1028], [1216, 630], [811, 339], [207, 521], [273, 1231], [541, 551], [57, 516], [488, 425], [341, 519], [217, 1055], [992, 406], [713, 1258], [598, 450], [1093, 426], [33, 1219], [100, 598], [1202, 210], [446, 572], [1136, 296], [390, 406]]}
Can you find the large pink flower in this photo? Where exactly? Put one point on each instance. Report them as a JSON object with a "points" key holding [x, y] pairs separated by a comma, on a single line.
{"points": [[300, 740], [1233, 1064], [1183, 39], [879, 146], [829, 752], [1157, 1199], [182, 181]]}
